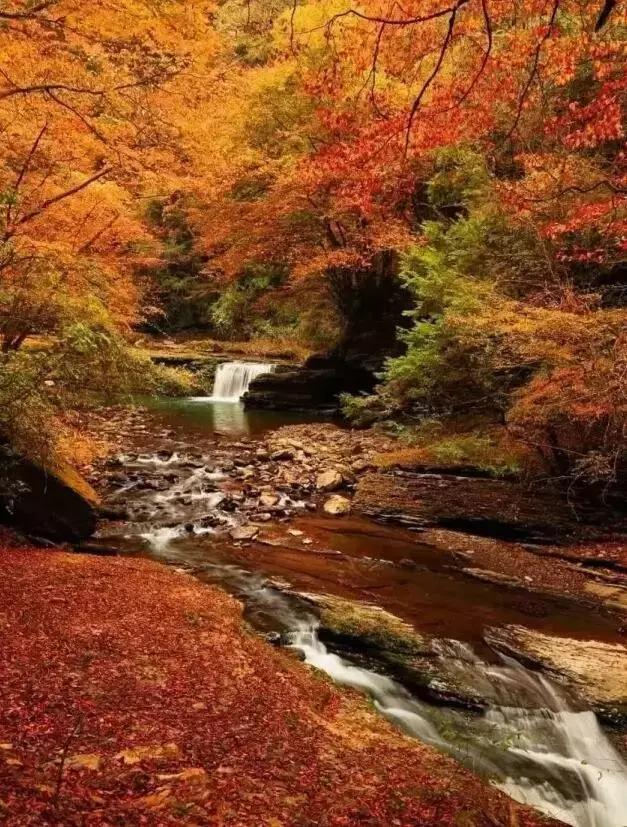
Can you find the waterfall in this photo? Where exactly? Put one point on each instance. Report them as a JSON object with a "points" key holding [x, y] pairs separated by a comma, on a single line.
{"points": [[232, 379]]}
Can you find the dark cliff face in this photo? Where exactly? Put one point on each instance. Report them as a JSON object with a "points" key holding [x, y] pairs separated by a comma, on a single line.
{"points": [[57, 505], [371, 302]]}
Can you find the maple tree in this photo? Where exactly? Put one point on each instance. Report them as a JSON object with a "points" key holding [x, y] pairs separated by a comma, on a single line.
{"points": [[161, 154], [89, 131]]}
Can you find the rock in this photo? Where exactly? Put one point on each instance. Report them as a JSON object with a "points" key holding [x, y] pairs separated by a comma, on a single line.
{"points": [[211, 521], [592, 670], [361, 465], [493, 508], [337, 505], [282, 455], [267, 500], [370, 336], [273, 638], [498, 577], [244, 532], [109, 513], [55, 503], [329, 480]]}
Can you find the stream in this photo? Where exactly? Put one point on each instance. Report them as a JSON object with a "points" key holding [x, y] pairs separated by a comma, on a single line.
{"points": [[532, 741]]}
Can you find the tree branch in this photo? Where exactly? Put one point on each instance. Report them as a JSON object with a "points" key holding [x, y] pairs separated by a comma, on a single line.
{"points": [[534, 68], [43, 88], [33, 11], [604, 15], [61, 196], [24, 169], [433, 74]]}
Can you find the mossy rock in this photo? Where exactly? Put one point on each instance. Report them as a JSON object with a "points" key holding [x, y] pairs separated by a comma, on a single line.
{"points": [[55, 503], [366, 625]]}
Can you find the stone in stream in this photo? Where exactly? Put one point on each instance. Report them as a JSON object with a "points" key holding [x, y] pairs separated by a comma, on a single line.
{"points": [[423, 665], [244, 532], [329, 480], [268, 499], [282, 455], [337, 505]]}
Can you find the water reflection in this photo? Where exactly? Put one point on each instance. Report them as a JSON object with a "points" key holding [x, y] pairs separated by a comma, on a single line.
{"points": [[229, 418], [201, 416]]}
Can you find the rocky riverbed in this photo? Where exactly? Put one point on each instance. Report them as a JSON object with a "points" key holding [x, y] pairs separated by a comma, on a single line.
{"points": [[263, 495], [497, 530]]}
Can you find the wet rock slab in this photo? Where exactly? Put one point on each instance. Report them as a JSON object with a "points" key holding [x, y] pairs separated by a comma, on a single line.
{"points": [[439, 671], [498, 508], [592, 670]]}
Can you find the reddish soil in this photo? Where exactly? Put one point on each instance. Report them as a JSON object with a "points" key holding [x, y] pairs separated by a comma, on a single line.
{"points": [[133, 695]]}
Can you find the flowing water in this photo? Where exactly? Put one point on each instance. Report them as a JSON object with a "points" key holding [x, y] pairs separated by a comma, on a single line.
{"points": [[233, 379], [533, 742]]}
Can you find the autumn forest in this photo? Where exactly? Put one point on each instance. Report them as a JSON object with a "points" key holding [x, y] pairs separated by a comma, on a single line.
{"points": [[332, 295]]}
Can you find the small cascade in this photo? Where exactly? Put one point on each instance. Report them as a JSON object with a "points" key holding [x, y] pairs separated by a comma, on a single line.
{"points": [[232, 379], [532, 744]]}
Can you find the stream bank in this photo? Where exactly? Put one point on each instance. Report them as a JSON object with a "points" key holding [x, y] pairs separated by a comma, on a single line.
{"points": [[133, 694]]}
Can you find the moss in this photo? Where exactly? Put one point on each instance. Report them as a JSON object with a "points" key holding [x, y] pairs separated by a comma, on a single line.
{"points": [[371, 626]]}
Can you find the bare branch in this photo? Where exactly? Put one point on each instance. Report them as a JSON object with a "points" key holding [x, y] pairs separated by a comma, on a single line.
{"points": [[78, 114], [608, 8], [27, 14], [292, 16], [425, 86], [49, 202], [534, 68], [394, 21], [46, 88], [85, 247]]}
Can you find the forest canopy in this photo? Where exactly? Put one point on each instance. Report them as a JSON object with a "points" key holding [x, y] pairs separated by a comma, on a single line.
{"points": [[244, 166]]}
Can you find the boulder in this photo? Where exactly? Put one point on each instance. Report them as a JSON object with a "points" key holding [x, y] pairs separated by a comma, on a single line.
{"points": [[337, 505], [437, 671], [329, 480], [268, 499], [54, 503], [372, 300], [282, 455]]}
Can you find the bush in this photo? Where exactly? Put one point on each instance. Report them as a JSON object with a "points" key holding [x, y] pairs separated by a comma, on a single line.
{"points": [[41, 390], [497, 329]]}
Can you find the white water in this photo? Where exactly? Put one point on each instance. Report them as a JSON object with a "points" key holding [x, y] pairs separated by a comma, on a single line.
{"points": [[232, 379], [541, 753]]}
